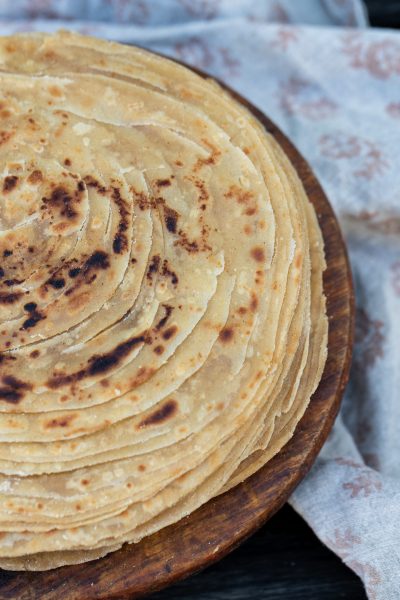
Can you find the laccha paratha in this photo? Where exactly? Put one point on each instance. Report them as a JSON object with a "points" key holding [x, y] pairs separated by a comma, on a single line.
{"points": [[163, 322]]}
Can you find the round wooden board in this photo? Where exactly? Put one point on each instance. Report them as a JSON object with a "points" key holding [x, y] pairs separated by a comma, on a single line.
{"points": [[223, 523]]}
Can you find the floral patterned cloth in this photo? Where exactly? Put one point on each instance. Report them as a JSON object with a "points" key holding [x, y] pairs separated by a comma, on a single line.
{"points": [[335, 91]]}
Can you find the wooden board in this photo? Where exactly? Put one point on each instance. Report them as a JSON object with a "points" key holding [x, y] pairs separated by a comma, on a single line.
{"points": [[219, 526], [283, 560]]}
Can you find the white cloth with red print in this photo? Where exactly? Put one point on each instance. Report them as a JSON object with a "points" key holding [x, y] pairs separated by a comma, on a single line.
{"points": [[336, 92]]}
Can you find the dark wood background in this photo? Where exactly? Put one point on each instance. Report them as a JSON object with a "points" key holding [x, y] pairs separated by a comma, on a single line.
{"points": [[284, 560]]}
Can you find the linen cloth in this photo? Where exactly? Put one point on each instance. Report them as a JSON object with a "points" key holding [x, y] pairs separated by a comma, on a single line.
{"points": [[333, 85]]}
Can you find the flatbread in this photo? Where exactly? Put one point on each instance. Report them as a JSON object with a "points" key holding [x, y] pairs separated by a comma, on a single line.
{"points": [[163, 322]]}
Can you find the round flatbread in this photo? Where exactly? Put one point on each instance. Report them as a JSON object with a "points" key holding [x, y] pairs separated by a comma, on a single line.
{"points": [[163, 321]]}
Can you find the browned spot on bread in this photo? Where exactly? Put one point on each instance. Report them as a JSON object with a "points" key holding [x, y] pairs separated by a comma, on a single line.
{"points": [[67, 162], [142, 375], [159, 350], [246, 150], [105, 383], [9, 183], [243, 197], [141, 468], [85, 481], [168, 310], [93, 183], [193, 246], [49, 55], [9, 298], [240, 195], [170, 332], [220, 406], [60, 421], [161, 415], [79, 300], [215, 153], [189, 246], [55, 91], [153, 266], [13, 389], [98, 364], [74, 272], [120, 243], [258, 253], [60, 227], [34, 354], [203, 196], [78, 506], [104, 362], [34, 317], [247, 230], [10, 380], [5, 136], [253, 302], [171, 219], [179, 163], [298, 260], [242, 310], [6, 357], [39, 505], [97, 261], [226, 334], [56, 282], [163, 182], [63, 201], [11, 282], [35, 176], [166, 271], [145, 202]]}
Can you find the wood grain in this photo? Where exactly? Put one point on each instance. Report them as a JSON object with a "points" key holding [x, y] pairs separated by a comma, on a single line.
{"points": [[223, 523], [284, 560]]}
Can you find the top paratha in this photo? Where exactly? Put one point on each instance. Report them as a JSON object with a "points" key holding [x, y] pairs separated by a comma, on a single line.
{"points": [[162, 317]]}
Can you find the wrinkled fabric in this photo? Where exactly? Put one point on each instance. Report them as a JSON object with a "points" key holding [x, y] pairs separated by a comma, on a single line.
{"points": [[333, 85]]}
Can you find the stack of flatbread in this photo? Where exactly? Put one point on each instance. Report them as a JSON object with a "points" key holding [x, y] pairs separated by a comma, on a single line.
{"points": [[162, 314]]}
